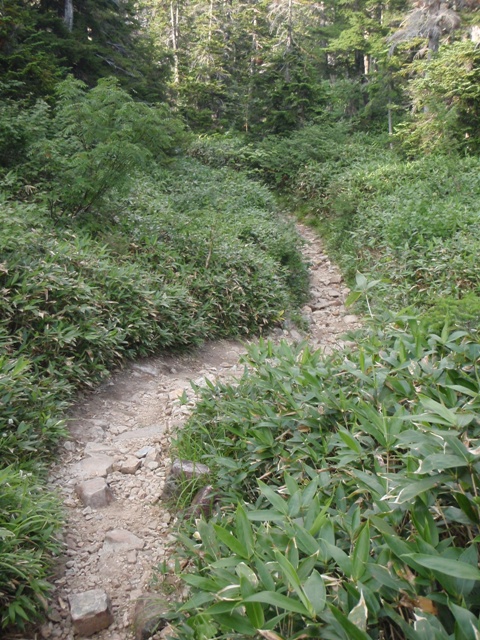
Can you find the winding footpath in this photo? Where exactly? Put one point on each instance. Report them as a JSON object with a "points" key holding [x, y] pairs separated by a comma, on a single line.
{"points": [[117, 455]]}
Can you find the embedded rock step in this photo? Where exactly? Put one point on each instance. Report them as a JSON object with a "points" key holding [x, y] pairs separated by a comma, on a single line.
{"points": [[121, 540], [91, 611], [94, 493], [94, 466]]}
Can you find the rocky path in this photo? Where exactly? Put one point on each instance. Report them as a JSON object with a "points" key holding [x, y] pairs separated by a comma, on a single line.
{"points": [[111, 471]]}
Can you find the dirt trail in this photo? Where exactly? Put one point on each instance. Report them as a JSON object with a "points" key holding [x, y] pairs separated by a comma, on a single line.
{"points": [[128, 422]]}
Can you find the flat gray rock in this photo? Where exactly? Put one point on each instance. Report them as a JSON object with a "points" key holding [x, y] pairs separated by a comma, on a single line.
{"points": [[121, 540], [97, 465], [148, 433]]}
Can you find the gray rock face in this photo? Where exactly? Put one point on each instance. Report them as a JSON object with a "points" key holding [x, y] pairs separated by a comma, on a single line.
{"points": [[91, 611], [149, 616], [188, 469], [202, 503], [129, 466], [145, 451], [99, 465], [94, 493], [121, 540]]}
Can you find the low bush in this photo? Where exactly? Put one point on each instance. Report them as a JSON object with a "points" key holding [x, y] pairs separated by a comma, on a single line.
{"points": [[29, 520], [275, 159], [411, 225], [349, 489], [190, 254]]}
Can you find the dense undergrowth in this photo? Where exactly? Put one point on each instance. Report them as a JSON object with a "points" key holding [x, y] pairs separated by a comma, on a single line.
{"points": [[411, 225], [349, 484], [111, 248], [349, 489]]}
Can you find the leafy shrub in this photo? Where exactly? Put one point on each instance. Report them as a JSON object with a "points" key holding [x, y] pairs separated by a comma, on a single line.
{"points": [[275, 159], [89, 146], [412, 225], [196, 253], [29, 519], [355, 483], [445, 98]]}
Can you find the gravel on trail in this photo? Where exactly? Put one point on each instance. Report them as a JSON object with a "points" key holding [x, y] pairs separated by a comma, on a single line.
{"points": [[117, 456]]}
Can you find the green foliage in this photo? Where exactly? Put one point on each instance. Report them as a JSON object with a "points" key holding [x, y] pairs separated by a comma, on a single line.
{"points": [[411, 225], [276, 160], [37, 49], [194, 253], [95, 143], [349, 486], [445, 96], [29, 518]]}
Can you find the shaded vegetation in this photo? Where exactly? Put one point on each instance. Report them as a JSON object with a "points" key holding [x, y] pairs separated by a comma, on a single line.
{"points": [[349, 509], [111, 248]]}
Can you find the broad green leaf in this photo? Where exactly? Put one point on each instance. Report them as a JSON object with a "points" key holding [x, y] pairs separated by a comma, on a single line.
{"points": [[255, 614], [306, 567], [272, 496], [197, 601], [237, 623], [265, 515], [439, 409], [361, 553], [386, 578], [353, 632], [350, 440], [468, 507], [293, 580], [439, 462], [453, 568], [340, 557], [226, 606], [370, 481], [359, 614], [404, 551], [426, 627], [352, 297], [466, 622], [244, 571], [424, 523], [291, 484], [264, 575], [416, 488], [278, 600], [306, 542], [206, 584], [244, 530], [314, 588], [230, 541]]}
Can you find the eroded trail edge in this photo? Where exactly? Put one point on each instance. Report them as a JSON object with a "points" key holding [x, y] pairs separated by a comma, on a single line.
{"points": [[117, 456]]}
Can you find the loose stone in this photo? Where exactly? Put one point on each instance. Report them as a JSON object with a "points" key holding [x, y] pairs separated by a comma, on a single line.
{"points": [[129, 466], [94, 493], [122, 540], [188, 469], [94, 466], [91, 611]]}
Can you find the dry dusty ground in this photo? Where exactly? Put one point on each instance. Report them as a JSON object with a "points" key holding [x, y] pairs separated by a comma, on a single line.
{"points": [[137, 408]]}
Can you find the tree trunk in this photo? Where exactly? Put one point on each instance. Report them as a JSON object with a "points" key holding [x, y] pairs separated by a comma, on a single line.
{"points": [[68, 15], [289, 39], [174, 37]]}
